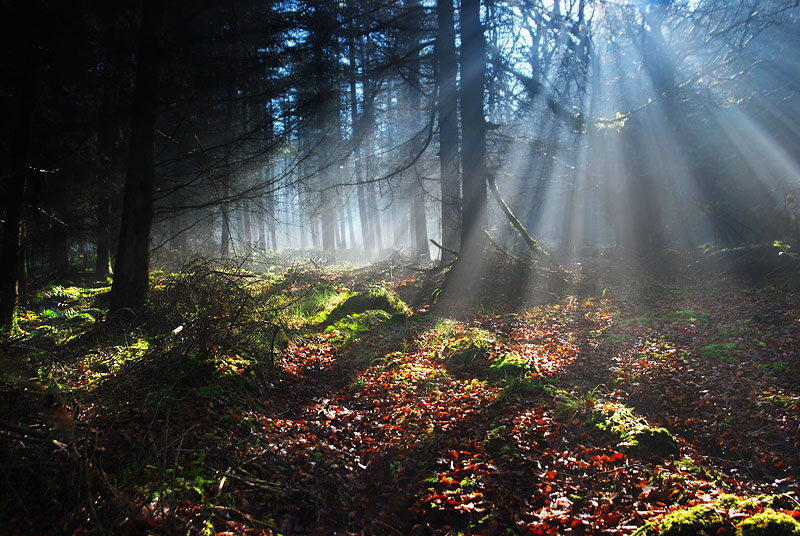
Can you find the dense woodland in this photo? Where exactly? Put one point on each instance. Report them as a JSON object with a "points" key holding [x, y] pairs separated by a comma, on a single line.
{"points": [[400, 267]]}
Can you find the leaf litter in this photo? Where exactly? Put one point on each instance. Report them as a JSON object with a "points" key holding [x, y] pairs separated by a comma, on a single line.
{"points": [[490, 424]]}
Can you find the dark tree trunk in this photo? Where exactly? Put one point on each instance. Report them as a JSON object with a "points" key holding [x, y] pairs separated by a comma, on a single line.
{"points": [[350, 226], [416, 193], [225, 236], [473, 155], [246, 224], [421, 226], [375, 217], [13, 194], [133, 253], [448, 129], [103, 214], [260, 218], [59, 249], [357, 137], [327, 218], [107, 145], [342, 223]]}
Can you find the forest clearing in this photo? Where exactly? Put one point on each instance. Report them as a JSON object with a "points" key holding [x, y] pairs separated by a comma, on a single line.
{"points": [[378, 412]]}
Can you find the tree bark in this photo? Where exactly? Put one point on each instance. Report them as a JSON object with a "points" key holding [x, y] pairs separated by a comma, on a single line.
{"points": [[133, 253], [357, 136], [448, 130], [473, 127], [103, 214], [14, 193]]}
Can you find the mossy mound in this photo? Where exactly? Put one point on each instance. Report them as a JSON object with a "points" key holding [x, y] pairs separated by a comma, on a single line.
{"points": [[510, 366], [769, 523], [636, 434], [720, 518], [476, 361], [472, 360], [359, 302], [355, 325], [700, 520], [377, 298]]}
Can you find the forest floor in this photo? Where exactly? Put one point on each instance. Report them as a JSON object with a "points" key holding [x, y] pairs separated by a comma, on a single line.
{"points": [[658, 399]]}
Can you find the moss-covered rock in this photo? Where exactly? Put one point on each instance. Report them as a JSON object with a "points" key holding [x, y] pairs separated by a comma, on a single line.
{"points": [[769, 523]]}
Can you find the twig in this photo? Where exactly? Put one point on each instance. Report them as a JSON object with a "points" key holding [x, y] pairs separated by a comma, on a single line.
{"points": [[231, 274]]}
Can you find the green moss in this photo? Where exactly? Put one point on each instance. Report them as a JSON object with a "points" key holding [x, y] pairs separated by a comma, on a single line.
{"points": [[720, 351], [321, 301], [740, 332], [768, 523], [729, 501], [469, 360], [376, 298], [354, 325], [700, 520], [639, 320], [634, 432], [613, 338], [687, 315], [449, 336], [509, 366]]}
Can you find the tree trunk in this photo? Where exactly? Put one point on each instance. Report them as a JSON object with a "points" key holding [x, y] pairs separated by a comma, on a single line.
{"points": [[448, 129], [376, 229], [58, 248], [103, 183], [225, 236], [327, 218], [103, 215], [246, 225], [133, 253], [350, 226], [473, 155], [357, 134], [421, 227], [14, 193]]}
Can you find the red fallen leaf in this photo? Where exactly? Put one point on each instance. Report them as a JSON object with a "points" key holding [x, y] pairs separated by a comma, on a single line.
{"points": [[550, 475]]}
